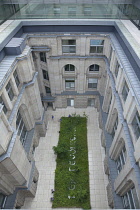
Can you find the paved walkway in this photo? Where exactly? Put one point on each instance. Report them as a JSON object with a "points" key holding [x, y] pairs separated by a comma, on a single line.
{"points": [[45, 161]]}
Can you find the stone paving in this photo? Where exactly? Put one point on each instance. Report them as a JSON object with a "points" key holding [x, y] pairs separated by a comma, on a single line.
{"points": [[45, 161]]}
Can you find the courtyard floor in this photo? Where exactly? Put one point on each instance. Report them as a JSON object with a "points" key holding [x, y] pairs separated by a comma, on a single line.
{"points": [[46, 165]]}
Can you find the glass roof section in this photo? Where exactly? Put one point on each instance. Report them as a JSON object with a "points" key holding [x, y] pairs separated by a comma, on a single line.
{"points": [[64, 9]]}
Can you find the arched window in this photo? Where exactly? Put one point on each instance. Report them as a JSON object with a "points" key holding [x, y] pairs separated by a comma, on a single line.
{"points": [[69, 67], [94, 67], [21, 128]]}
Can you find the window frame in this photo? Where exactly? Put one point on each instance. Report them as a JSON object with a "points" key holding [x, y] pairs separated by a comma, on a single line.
{"points": [[96, 46], [136, 129], [94, 84], [125, 91], [45, 74], [70, 82], [121, 159], [94, 68], [9, 91], [21, 129], [117, 69], [69, 102], [115, 127], [69, 46], [69, 68], [17, 81], [2, 204], [46, 89], [43, 57], [130, 203], [5, 110]]}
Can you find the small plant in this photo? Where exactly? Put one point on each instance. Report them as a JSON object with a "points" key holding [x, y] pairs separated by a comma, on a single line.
{"points": [[60, 150]]}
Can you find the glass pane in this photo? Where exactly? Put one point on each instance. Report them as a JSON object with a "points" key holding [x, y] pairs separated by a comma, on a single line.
{"points": [[131, 201], [69, 42], [92, 49], [96, 42], [100, 49]]}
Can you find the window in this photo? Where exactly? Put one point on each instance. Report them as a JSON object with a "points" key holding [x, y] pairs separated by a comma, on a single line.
{"points": [[56, 10], [110, 103], [96, 46], [136, 125], [10, 91], [43, 56], [130, 200], [2, 200], [120, 162], [70, 102], [117, 69], [92, 83], [69, 67], [114, 128], [48, 90], [91, 102], [69, 46], [16, 78], [87, 11], [71, 11], [45, 74], [125, 91], [94, 67], [110, 55], [70, 83], [4, 107], [21, 128]]}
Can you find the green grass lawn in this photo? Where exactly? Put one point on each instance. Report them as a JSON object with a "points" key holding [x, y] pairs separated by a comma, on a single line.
{"points": [[72, 174]]}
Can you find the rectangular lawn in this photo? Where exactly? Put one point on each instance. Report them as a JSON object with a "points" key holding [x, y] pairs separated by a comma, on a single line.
{"points": [[72, 174]]}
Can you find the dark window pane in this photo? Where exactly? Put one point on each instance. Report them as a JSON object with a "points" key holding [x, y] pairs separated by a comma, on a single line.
{"points": [[94, 67], [43, 56]]}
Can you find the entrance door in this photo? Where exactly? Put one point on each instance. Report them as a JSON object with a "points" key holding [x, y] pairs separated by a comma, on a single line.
{"points": [[70, 101]]}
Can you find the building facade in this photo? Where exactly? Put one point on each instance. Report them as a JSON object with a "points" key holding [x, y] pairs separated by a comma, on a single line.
{"points": [[46, 64]]}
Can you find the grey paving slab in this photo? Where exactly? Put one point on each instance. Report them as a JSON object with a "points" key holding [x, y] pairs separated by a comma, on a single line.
{"points": [[45, 161]]}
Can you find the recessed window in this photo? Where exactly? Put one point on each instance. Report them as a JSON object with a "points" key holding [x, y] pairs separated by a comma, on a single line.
{"points": [[91, 102], [16, 78], [94, 67], [21, 128], [69, 46], [130, 199], [4, 107], [43, 56], [70, 101], [110, 103], [110, 55], [48, 90], [92, 83], [96, 46], [70, 83], [69, 67], [117, 69], [114, 127], [45, 74], [10, 91], [2, 200], [120, 162], [125, 91], [136, 125]]}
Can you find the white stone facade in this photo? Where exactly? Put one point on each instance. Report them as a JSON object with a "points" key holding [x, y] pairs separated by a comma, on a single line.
{"points": [[78, 78]]}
